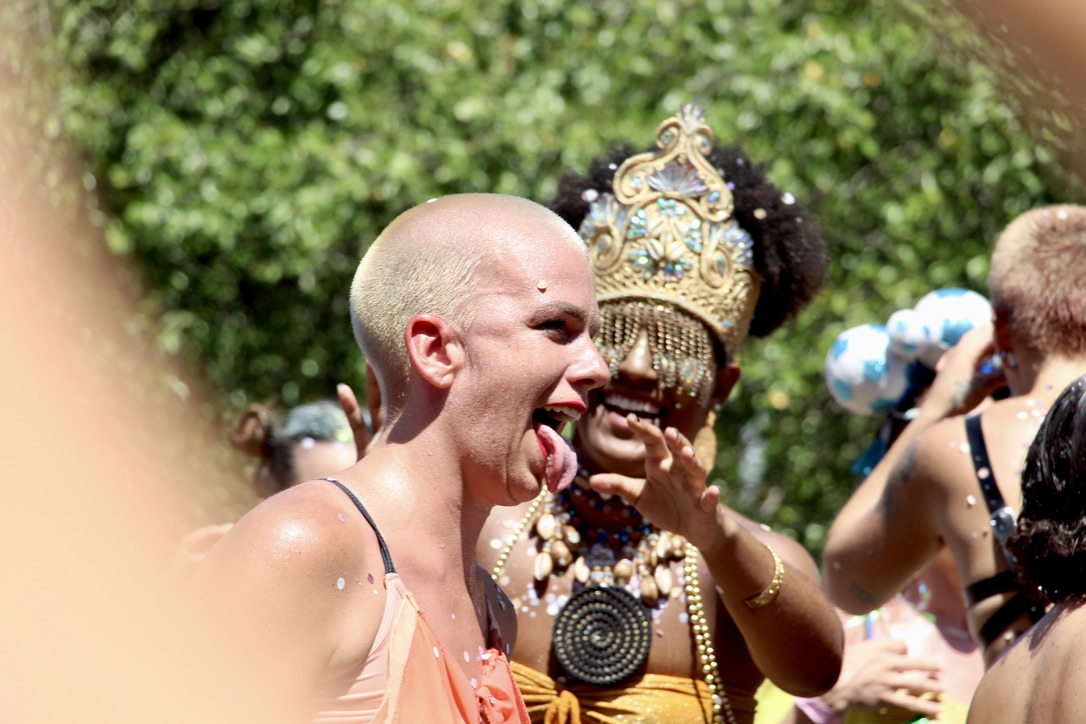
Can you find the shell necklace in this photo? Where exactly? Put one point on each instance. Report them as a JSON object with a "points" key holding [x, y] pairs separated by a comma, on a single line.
{"points": [[602, 557], [601, 635]]}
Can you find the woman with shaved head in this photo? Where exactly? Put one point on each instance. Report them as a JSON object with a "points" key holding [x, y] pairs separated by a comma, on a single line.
{"points": [[359, 597]]}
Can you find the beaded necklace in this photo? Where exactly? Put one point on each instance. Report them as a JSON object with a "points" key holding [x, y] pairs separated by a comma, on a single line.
{"points": [[643, 549], [602, 557]]}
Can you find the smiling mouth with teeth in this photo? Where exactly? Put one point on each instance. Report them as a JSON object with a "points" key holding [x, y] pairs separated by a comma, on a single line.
{"points": [[621, 404]]}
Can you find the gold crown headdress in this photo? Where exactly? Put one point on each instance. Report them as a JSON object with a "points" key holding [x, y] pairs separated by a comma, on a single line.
{"points": [[667, 233]]}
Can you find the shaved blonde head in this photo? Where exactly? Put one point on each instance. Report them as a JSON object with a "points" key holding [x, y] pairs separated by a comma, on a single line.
{"points": [[430, 260], [1036, 279]]}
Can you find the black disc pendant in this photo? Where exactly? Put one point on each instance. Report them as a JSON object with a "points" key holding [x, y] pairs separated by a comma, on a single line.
{"points": [[602, 635]]}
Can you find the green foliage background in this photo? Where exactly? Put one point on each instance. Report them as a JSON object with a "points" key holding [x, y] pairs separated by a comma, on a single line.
{"points": [[242, 154]]}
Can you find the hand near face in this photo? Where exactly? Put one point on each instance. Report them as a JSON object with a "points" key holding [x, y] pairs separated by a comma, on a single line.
{"points": [[673, 495], [965, 377]]}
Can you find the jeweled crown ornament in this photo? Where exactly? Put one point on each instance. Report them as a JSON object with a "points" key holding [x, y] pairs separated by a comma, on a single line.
{"points": [[667, 233]]}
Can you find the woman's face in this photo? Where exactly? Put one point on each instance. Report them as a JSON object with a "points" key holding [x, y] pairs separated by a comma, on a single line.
{"points": [[639, 385]]}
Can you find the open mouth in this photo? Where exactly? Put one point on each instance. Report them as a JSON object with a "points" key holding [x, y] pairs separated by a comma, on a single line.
{"points": [[621, 404], [556, 417], [559, 460]]}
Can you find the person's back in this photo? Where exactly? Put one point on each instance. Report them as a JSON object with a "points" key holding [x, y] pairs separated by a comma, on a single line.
{"points": [[935, 487], [945, 453], [1041, 677]]}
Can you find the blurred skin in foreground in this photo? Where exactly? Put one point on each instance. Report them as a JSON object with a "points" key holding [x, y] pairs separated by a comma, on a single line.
{"points": [[90, 514]]}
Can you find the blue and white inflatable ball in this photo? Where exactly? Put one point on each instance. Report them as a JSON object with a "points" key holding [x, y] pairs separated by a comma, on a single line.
{"points": [[909, 333], [948, 314], [862, 372]]}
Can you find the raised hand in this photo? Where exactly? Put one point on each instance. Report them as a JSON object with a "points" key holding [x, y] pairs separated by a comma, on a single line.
{"points": [[673, 495], [349, 402], [966, 375]]}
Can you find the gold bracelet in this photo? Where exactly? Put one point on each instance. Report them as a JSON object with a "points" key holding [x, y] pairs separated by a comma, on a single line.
{"points": [[766, 597]]}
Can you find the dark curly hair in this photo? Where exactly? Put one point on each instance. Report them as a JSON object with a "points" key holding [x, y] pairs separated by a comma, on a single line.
{"points": [[789, 252], [1050, 540]]}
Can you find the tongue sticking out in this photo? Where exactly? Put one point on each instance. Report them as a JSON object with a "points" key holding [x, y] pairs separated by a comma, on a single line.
{"points": [[561, 465]]}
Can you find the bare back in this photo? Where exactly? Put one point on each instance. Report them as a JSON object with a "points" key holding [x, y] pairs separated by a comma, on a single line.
{"points": [[1040, 677], [965, 524]]}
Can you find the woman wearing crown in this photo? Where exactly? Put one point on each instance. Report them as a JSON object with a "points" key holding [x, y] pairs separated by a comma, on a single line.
{"points": [[641, 596]]}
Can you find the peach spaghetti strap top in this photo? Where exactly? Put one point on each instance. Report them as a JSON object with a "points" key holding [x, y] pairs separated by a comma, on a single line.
{"points": [[408, 676]]}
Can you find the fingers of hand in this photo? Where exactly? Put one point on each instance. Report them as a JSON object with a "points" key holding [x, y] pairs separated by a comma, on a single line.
{"points": [[349, 402], [629, 489], [924, 665], [921, 703], [656, 448], [710, 499]]}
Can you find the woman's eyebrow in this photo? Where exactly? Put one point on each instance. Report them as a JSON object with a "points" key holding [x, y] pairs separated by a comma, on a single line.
{"points": [[559, 307]]}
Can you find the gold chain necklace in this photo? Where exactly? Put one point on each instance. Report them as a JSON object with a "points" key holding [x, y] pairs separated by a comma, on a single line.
{"points": [[722, 710]]}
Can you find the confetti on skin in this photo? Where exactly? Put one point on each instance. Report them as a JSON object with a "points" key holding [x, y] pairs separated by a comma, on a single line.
{"points": [[1021, 416], [341, 518], [474, 684], [552, 609], [437, 654], [964, 447], [369, 577], [684, 617], [340, 583], [454, 617], [496, 543], [541, 285], [970, 500], [660, 632], [375, 592], [467, 657]]}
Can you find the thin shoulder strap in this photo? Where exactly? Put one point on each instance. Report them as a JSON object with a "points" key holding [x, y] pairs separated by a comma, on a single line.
{"points": [[385, 555], [1003, 518], [982, 465]]}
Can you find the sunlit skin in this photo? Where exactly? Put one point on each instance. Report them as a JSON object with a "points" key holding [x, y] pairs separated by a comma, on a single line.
{"points": [[924, 494], [464, 440], [311, 459], [647, 460]]}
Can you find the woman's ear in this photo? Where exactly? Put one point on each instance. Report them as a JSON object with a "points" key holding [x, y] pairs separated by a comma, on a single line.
{"points": [[434, 348], [726, 377], [1001, 332]]}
